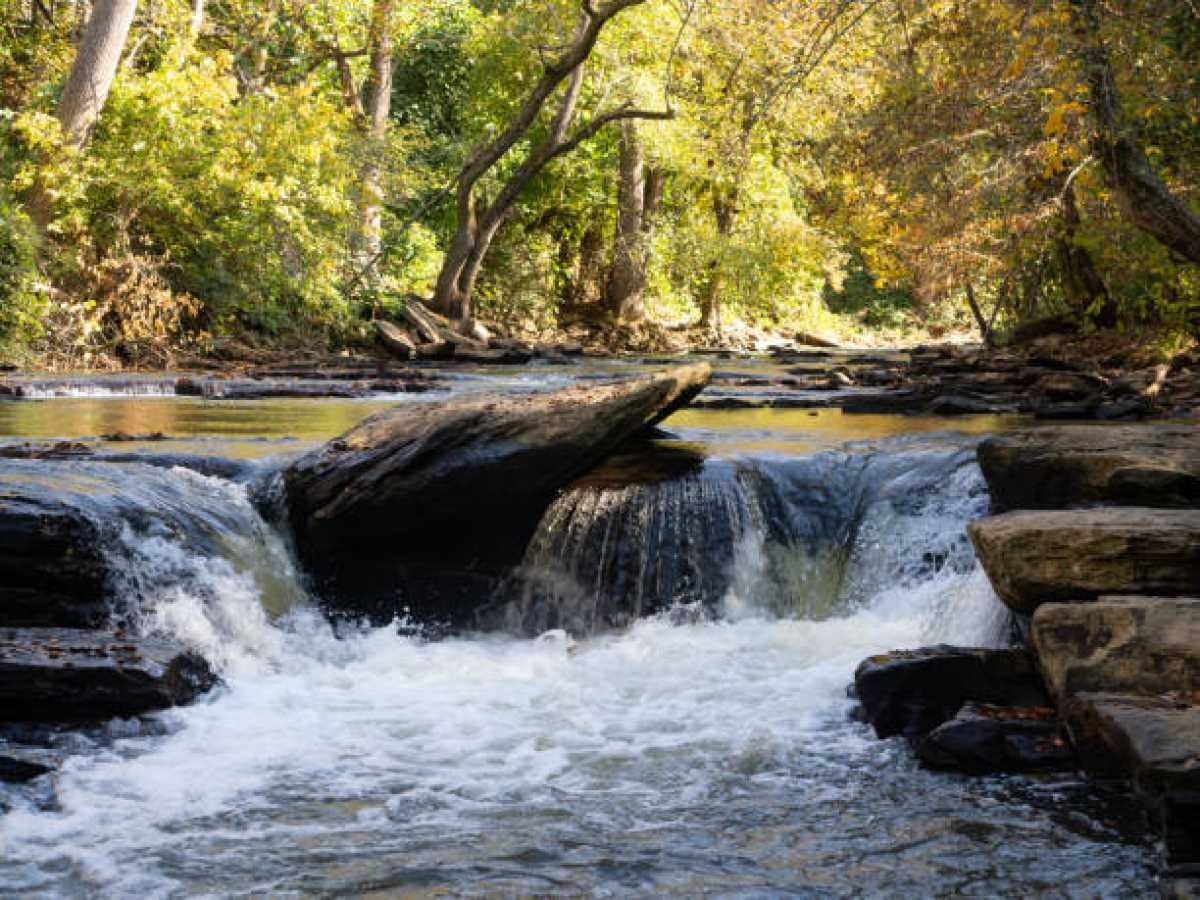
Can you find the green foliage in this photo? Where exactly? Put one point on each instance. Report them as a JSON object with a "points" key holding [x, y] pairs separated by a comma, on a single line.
{"points": [[21, 305], [223, 190]]}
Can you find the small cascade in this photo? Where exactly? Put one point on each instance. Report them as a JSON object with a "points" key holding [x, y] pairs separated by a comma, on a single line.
{"points": [[805, 538]]}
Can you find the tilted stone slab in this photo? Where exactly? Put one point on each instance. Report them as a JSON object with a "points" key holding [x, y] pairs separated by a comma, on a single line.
{"points": [[1069, 556], [1135, 645], [1052, 468]]}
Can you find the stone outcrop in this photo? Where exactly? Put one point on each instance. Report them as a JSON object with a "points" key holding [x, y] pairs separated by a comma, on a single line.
{"points": [[1052, 468], [1035, 557], [439, 499], [912, 692], [63, 675], [1138, 645]]}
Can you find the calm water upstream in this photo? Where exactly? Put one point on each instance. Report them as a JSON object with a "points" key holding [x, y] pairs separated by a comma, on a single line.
{"points": [[686, 755]]}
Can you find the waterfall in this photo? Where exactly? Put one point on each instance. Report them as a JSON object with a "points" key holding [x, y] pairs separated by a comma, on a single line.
{"points": [[806, 538]]}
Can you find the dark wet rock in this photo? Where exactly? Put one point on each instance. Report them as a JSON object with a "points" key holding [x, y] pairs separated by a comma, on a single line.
{"points": [[68, 528], [62, 451], [985, 739], [1135, 645], [1067, 410], [960, 405], [727, 403], [1068, 386], [15, 770], [1154, 741], [52, 568], [912, 692], [444, 496], [1123, 408], [1071, 556], [1049, 468], [498, 357], [57, 675], [885, 402]]}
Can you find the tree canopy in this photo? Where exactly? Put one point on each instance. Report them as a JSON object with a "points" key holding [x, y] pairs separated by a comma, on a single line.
{"points": [[291, 170]]}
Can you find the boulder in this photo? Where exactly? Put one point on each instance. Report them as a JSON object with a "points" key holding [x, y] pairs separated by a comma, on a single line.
{"points": [[912, 692], [1051, 468], [66, 675], [1069, 556], [1156, 742], [1136, 645], [985, 739], [438, 493]]}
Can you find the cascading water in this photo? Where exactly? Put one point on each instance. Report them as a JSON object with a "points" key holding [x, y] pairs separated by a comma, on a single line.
{"points": [[685, 753]]}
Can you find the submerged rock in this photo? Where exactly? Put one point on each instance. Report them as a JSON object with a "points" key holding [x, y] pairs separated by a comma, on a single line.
{"points": [[1051, 468], [58, 675], [985, 739], [1066, 556], [912, 692], [440, 498], [1139, 645]]}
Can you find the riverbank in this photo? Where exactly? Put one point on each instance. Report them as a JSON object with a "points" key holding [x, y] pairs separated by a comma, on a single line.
{"points": [[1094, 545]]}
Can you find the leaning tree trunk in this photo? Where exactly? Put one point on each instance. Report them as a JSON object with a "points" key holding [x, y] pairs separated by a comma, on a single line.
{"points": [[1143, 197], [94, 68]]}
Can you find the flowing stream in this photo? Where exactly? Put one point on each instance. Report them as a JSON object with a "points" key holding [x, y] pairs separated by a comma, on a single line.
{"points": [[702, 748]]}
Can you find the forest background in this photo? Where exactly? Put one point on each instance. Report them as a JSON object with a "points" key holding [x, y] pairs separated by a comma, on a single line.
{"points": [[281, 172]]}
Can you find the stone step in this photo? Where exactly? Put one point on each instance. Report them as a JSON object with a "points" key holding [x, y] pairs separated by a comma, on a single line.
{"points": [[1069, 556], [1051, 468]]}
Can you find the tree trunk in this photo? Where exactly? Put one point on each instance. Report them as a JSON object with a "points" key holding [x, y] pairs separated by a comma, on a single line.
{"points": [[377, 104], [1085, 290], [1142, 196], [627, 275], [985, 330], [725, 211], [95, 66]]}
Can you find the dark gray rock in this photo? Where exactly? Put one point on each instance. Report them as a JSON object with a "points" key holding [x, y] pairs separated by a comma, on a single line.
{"points": [[912, 692], [62, 675], [984, 739], [14, 770]]}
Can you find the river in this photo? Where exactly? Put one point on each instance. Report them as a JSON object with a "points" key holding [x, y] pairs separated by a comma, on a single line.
{"points": [[686, 754]]}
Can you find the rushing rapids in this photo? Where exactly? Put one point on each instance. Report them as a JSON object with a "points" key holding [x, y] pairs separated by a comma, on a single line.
{"points": [[677, 723]]}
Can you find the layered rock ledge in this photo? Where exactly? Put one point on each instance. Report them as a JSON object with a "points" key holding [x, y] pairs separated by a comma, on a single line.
{"points": [[1066, 556]]}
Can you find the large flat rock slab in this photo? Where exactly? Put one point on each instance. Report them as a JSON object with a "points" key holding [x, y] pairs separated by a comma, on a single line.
{"points": [[1135, 465], [444, 495], [1070, 556], [1135, 645], [67, 675]]}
